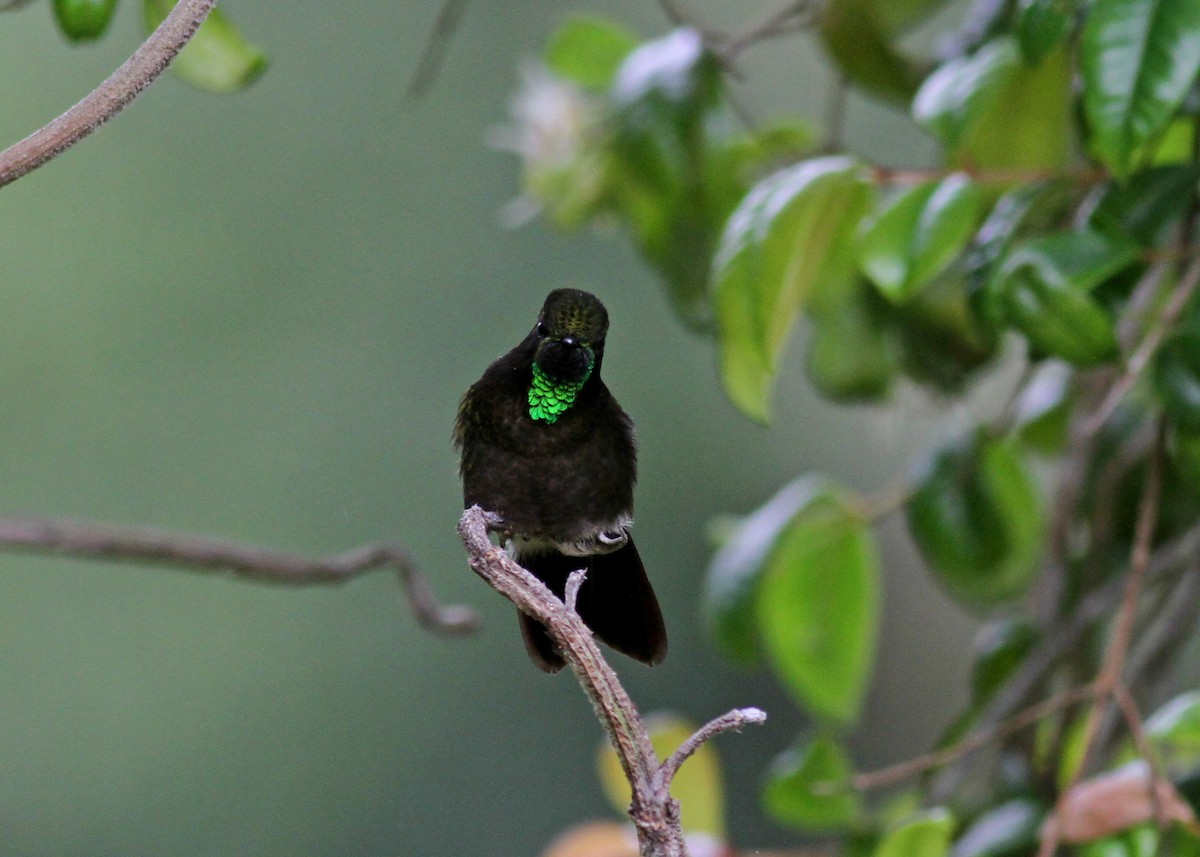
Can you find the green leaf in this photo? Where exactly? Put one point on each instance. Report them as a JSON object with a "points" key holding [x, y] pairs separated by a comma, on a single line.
{"points": [[218, 58], [1042, 25], [83, 20], [810, 788], [818, 605], [1177, 378], [731, 584], [697, 785], [979, 521], [787, 241], [925, 835], [1174, 730], [1043, 287], [940, 338], [1138, 58], [1147, 205], [1042, 410], [856, 35], [1003, 831], [850, 356], [589, 50], [918, 234], [990, 110], [662, 98]]}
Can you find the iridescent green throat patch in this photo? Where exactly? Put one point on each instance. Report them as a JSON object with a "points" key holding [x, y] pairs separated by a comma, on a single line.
{"points": [[549, 399]]}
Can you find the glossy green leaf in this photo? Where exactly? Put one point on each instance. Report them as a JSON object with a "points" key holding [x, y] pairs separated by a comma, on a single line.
{"points": [[925, 835], [697, 785], [731, 584], [218, 58], [991, 110], [1177, 378], [83, 20], [1138, 59], [1002, 831], [1043, 286], [809, 788], [857, 37], [589, 50], [1042, 25], [788, 240], [918, 233], [979, 521], [818, 606], [850, 355]]}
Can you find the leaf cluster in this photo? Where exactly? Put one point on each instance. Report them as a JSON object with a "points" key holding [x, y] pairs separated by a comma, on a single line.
{"points": [[1059, 228]]}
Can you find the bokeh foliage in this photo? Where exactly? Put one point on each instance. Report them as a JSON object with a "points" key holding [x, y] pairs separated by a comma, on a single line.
{"points": [[1059, 232]]}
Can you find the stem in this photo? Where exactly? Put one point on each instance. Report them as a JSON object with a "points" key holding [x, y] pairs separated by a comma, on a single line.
{"points": [[107, 99], [87, 540], [998, 732]]}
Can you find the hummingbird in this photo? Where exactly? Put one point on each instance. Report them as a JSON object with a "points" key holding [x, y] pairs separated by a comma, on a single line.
{"points": [[546, 447]]}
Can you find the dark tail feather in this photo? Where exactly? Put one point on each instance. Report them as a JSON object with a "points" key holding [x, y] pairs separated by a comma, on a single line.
{"points": [[616, 601], [618, 604]]}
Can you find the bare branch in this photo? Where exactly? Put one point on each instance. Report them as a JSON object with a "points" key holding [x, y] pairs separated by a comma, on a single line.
{"points": [[571, 592], [655, 814], [88, 540], [975, 741], [733, 721], [110, 97]]}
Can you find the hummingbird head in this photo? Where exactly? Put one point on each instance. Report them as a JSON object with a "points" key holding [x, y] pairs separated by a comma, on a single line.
{"points": [[570, 335]]}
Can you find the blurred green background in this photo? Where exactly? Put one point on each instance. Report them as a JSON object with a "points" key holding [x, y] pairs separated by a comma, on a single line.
{"points": [[253, 316]]}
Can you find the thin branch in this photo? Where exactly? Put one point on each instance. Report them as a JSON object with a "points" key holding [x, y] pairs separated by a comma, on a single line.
{"points": [[898, 175], [793, 16], [433, 54], [92, 541], [1138, 360], [929, 761], [655, 814], [107, 99], [571, 591], [1112, 667], [733, 721]]}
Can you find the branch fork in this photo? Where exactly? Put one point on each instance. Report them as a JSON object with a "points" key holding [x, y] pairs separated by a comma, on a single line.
{"points": [[655, 814]]}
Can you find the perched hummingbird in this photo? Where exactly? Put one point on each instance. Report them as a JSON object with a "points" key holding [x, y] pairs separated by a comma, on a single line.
{"points": [[546, 446]]}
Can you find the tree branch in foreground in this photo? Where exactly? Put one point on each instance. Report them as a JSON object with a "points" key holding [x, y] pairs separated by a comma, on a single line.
{"points": [[655, 814], [86, 540], [111, 96]]}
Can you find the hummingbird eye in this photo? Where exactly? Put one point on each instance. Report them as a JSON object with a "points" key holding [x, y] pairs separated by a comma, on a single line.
{"points": [[542, 330]]}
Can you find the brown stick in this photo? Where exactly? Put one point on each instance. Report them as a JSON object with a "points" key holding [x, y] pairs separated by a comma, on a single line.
{"points": [[655, 814], [88, 540], [107, 99]]}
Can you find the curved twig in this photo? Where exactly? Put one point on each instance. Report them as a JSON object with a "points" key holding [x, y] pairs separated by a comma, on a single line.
{"points": [[107, 99], [87, 540], [655, 814]]}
